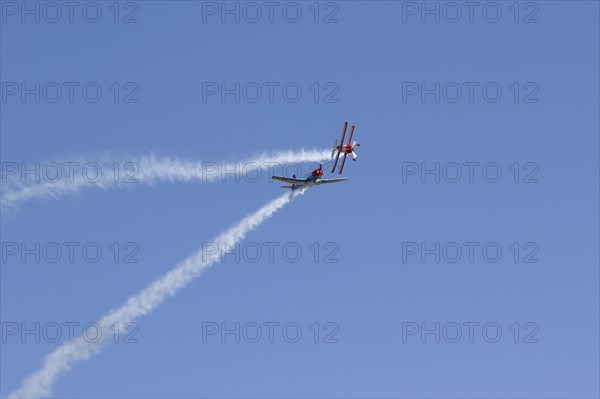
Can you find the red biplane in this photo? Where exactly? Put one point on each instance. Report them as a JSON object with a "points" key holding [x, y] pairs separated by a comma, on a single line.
{"points": [[346, 149]]}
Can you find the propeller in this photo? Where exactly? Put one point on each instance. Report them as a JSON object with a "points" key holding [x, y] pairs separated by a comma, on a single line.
{"points": [[334, 149]]}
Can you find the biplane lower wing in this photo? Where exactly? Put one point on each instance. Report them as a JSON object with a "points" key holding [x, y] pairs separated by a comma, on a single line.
{"points": [[343, 163], [338, 149]]}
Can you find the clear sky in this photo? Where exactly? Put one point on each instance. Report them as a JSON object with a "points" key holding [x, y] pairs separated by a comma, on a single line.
{"points": [[492, 87]]}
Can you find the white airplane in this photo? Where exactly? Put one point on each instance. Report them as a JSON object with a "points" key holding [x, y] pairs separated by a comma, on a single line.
{"points": [[314, 179]]}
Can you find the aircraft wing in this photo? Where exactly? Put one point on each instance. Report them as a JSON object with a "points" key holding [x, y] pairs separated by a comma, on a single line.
{"points": [[290, 180], [339, 149], [325, 181]]}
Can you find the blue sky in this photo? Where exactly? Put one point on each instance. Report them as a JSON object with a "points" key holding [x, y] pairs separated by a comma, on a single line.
{"points": [[364, 66]]}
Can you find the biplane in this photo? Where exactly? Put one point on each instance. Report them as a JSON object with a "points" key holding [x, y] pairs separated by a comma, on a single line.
{"points": [[345, 149]]}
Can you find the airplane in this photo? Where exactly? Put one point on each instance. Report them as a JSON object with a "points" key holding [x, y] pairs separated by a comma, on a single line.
{"points": [[347, 149], [313, 179]]}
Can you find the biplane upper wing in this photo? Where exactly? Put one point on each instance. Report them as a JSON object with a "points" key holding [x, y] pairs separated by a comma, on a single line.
{"points": [[351, 134]]}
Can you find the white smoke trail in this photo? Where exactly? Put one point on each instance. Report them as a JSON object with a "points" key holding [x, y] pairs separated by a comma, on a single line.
{"points": [[120, 172], [39, 384]]}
